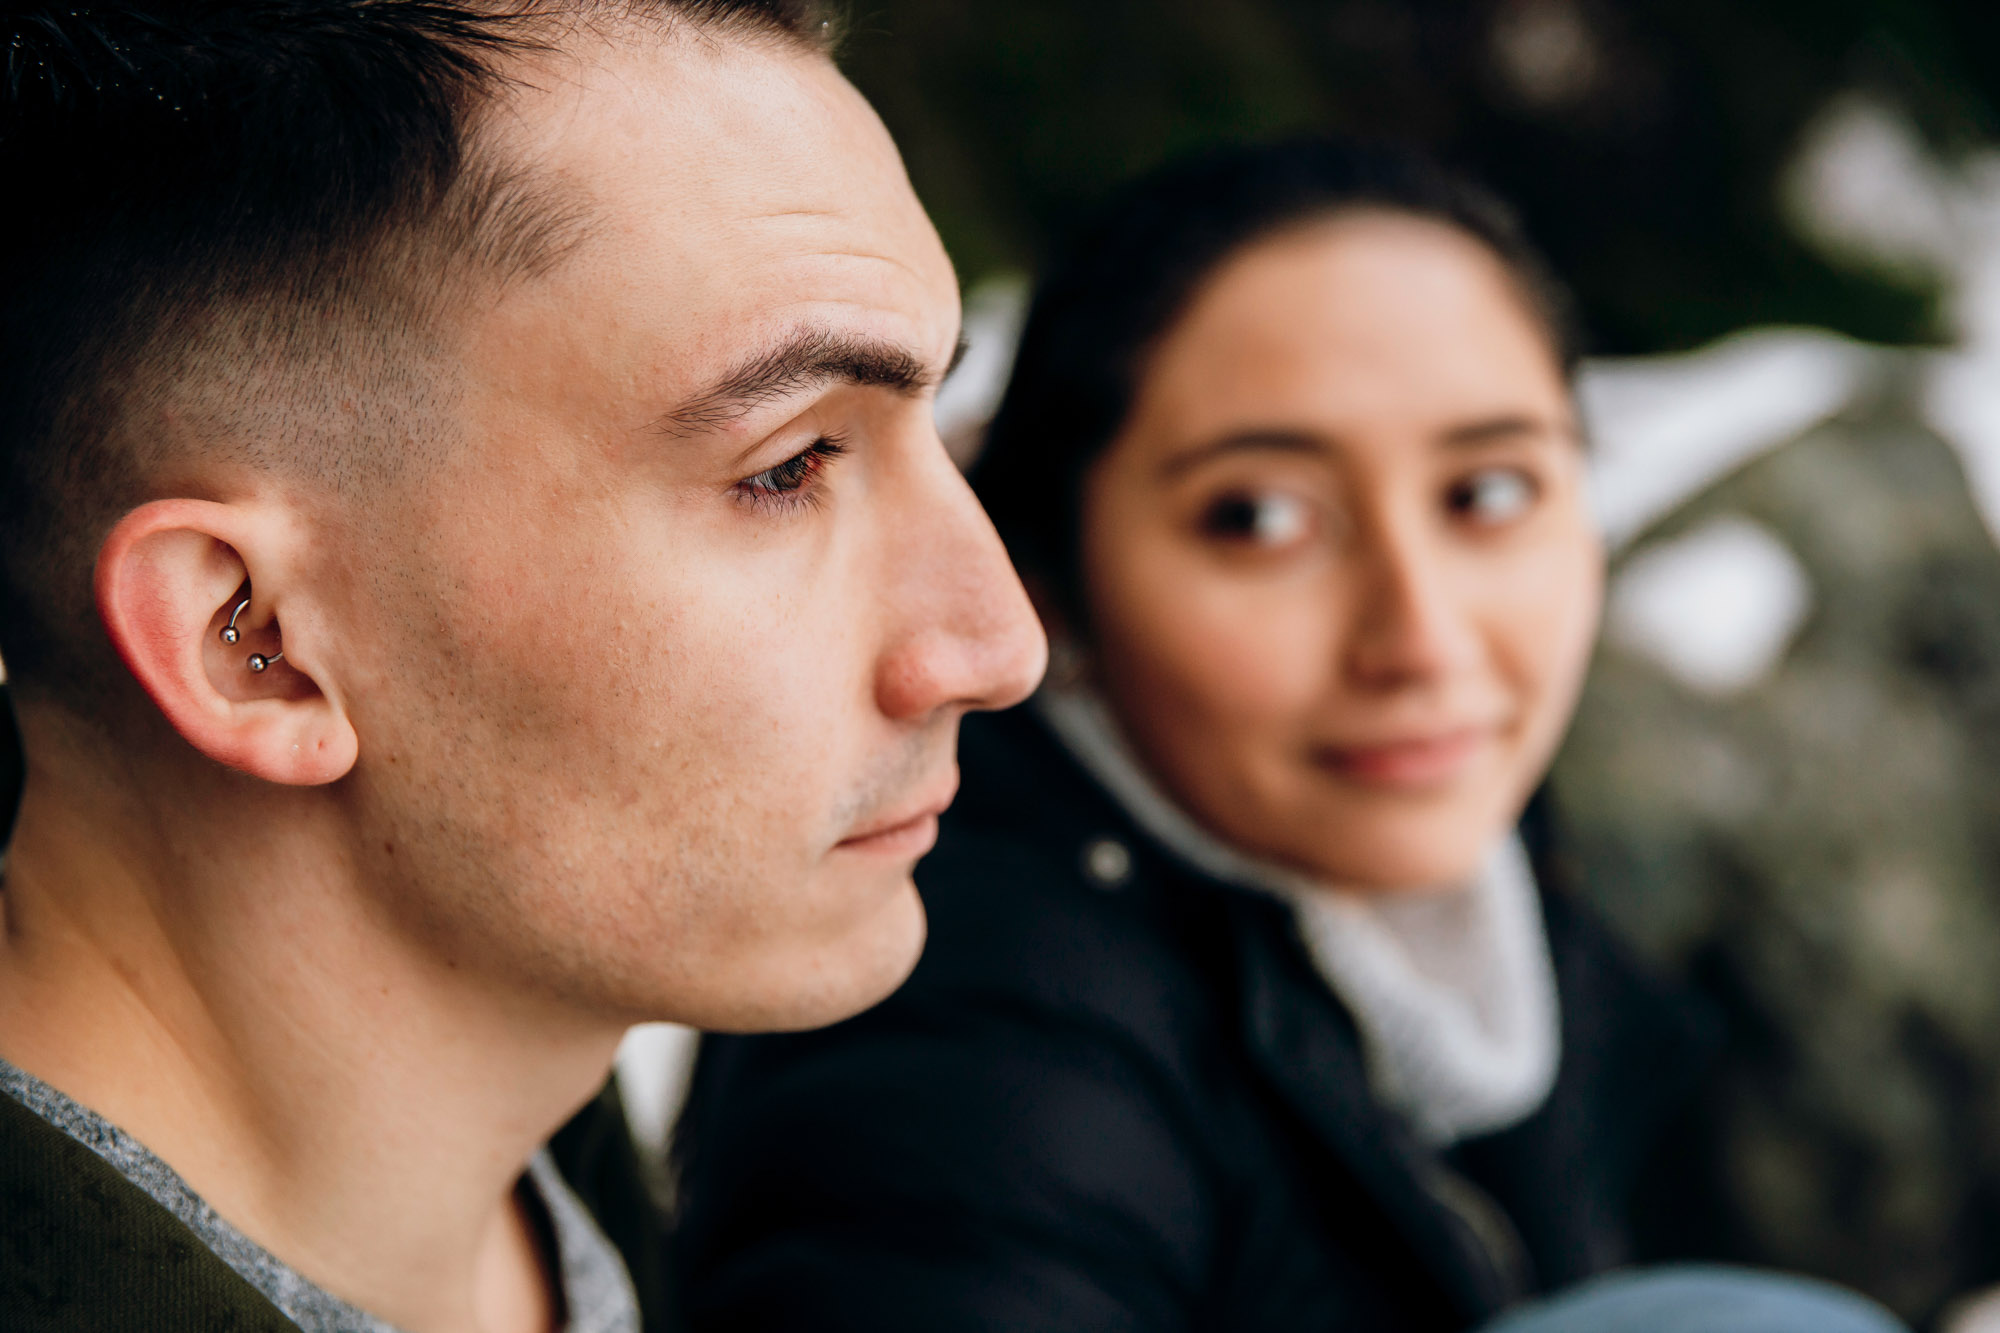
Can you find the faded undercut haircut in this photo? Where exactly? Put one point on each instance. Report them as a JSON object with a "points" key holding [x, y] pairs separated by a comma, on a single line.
{"points": [[247, 217]]}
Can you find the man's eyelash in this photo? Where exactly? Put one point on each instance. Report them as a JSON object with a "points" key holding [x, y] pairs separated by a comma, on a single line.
{"points": [[793, 482]]}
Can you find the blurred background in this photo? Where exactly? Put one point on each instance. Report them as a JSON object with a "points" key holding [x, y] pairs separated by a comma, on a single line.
{"points": [[1782, 218]]}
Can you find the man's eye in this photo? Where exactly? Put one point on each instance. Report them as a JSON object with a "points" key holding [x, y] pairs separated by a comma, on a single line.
{"points": [[1492, 497], [1268, 519], [789, 480]]}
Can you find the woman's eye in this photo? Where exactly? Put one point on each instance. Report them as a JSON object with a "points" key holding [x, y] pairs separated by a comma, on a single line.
{"points": [[1270, 519], [1496, 496], [787, 482]]}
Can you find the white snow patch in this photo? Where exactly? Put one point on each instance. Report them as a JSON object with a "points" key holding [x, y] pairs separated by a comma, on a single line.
{"points": [[1976, 1313], [1866, 189], [1962, 390], [655, 1062], [1717, 608], [1665, 428], [1962, 400], [995, 310]]}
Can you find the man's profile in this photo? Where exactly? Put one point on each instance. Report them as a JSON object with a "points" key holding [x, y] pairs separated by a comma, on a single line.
{"points": [[476, 571]]}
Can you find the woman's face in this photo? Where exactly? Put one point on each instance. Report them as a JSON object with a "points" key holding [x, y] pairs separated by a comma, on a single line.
{"points": [[1341, 577]]}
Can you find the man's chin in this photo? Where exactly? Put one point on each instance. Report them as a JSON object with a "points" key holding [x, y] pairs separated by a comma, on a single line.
{"points": [[812, 986]]}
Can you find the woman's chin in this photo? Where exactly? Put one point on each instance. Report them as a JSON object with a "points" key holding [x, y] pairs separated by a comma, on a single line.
{"points": [[1374, 855], [1421, 842]]}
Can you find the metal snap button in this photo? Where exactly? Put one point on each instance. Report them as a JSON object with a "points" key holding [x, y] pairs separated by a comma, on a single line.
{"points": [[1108, 862]]}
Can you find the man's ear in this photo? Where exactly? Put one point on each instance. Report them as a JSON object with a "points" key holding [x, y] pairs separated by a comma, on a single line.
{"points": [[169, 580]]}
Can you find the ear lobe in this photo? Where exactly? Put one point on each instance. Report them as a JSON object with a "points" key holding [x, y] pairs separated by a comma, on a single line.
{"points": [[168, 578]]}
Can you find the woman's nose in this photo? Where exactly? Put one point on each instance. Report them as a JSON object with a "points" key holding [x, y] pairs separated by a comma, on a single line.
{"points": [[1410, 624]]}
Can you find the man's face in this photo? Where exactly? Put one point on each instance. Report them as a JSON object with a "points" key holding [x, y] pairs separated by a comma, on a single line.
{"points": [[657, 676]]}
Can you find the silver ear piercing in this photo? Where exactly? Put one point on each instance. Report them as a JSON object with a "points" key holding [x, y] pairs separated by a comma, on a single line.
{"points": [[258, 663]]}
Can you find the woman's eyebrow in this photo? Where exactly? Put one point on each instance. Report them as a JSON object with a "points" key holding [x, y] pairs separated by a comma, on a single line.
{"points": [[1510, 429], [1246, 441], [807, 359]]}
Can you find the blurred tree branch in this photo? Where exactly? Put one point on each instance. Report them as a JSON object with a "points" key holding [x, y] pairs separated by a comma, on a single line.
{"points": [[1643, 139]]}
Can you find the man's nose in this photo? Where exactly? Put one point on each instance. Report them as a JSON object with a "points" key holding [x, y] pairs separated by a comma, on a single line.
{"points": [[966, 636]]}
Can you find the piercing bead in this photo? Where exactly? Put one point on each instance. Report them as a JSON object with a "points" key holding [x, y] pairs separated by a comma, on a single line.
{"points": [[258, 663], [230, 634]]}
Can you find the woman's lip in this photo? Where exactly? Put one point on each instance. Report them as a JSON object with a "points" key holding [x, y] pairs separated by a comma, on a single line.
{"points": [[1419, 761]]}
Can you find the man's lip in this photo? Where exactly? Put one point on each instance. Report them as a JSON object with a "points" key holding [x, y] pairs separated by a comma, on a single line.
{"points": [[907, 819], [1419, 760]]}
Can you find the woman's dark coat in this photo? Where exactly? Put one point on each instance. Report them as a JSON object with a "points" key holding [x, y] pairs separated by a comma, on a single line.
{"points": [[1115, 1101]]}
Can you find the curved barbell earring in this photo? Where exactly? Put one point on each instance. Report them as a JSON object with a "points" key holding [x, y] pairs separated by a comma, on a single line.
{"points": [[258, 662]]}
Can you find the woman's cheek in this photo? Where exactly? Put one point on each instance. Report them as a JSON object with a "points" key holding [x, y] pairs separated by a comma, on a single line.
{"points": [[1245, 652], [1547, 612], [1199, 643]]}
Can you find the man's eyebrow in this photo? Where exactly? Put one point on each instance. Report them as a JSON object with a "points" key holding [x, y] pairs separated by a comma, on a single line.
{"points": [[807, 359]]}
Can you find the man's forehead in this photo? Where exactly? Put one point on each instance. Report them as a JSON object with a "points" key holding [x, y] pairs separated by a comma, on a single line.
{"points": [[735, 192], [700, 134]]}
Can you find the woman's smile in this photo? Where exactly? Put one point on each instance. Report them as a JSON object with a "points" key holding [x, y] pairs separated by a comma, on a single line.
{"points": [[1416, 761]]}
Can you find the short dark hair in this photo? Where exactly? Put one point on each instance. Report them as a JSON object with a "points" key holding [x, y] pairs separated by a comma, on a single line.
{"points": [[1114, 293], [268, 182]]}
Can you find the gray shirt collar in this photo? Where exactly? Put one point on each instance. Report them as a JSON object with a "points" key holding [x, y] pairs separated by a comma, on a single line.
{"points": [[596, 1289]]}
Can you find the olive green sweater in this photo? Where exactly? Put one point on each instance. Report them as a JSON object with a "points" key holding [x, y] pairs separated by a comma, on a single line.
{"points": [[84, 1250]]}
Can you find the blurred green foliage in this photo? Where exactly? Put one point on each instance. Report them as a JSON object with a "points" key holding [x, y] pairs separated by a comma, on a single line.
{"points": [[1642, 139]]}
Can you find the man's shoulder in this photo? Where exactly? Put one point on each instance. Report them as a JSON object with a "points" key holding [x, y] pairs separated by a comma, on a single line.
{"points": [[82, 1248]]}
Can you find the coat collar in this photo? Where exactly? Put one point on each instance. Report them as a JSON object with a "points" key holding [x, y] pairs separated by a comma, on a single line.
{"points": [[1453, 992], [1308, 1051], [1632, 1047], [1300, 1041]]}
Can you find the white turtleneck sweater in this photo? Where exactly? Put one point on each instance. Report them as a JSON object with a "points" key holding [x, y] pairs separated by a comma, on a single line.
{"points": [[1452, 989]]}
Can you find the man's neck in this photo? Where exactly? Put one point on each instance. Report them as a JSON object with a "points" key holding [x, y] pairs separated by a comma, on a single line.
{"points": [[359, 1108]]}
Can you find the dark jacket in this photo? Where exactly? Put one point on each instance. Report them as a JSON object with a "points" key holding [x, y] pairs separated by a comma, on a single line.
{"points": [[1114, 1101]]}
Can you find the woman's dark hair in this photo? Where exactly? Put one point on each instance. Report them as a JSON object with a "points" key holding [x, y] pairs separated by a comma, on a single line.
{"points": [[1110, 299]]}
